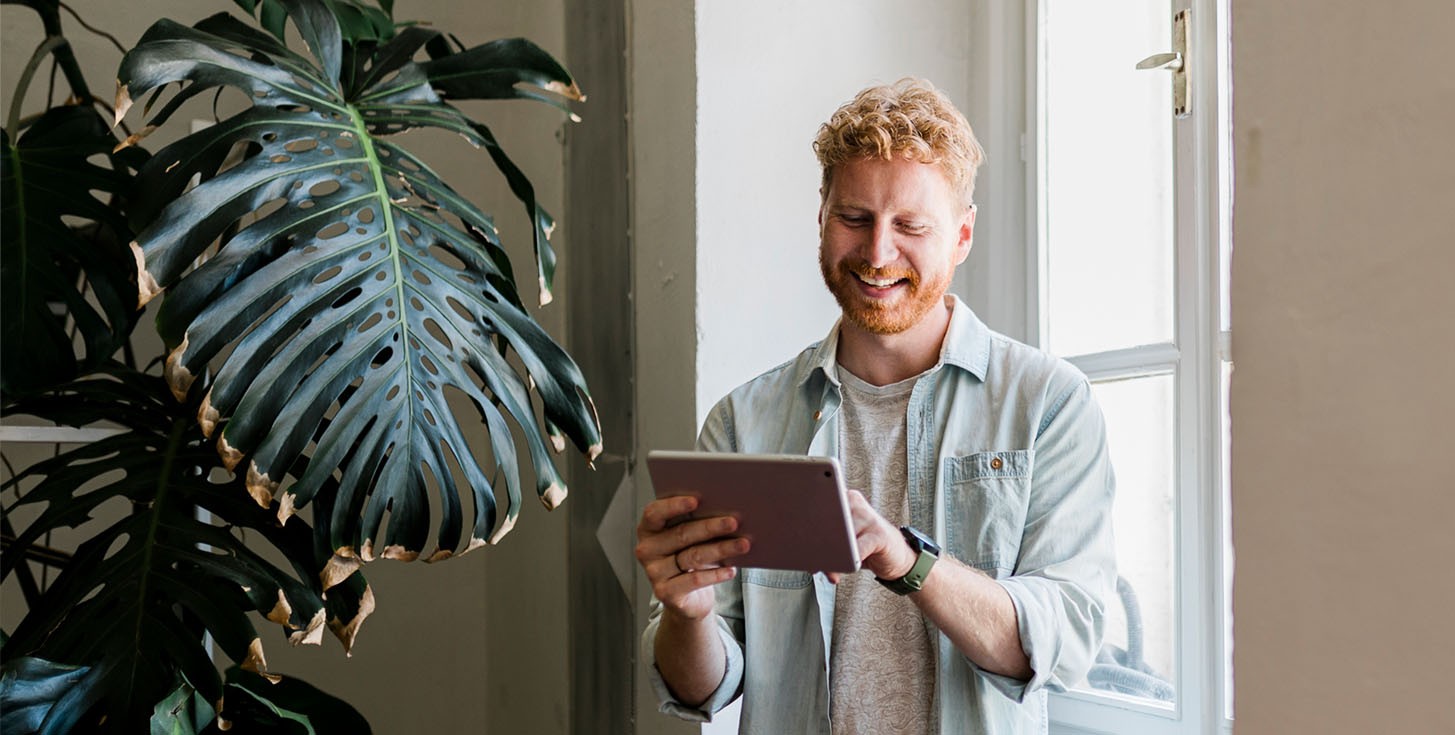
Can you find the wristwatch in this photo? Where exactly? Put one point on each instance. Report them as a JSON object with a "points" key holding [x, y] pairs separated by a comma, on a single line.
{"points": [[928, 552]]}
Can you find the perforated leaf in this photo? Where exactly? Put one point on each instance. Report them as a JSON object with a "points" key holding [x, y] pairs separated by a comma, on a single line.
{"points": [[348, 289]]}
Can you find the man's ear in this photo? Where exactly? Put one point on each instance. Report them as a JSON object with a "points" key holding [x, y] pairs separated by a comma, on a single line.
{"points": [[967, 236], [823, 202]]}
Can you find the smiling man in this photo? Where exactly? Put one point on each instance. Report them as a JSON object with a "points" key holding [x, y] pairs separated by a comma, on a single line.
{"points": [[982, 489]]}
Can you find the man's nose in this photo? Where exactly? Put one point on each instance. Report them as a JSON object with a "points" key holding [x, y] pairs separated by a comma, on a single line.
{"points": [[883, 250]]}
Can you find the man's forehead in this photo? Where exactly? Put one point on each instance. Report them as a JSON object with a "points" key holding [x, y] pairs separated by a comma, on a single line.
{"points": [[875, 184]]}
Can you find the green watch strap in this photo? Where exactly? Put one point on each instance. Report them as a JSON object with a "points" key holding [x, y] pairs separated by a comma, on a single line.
{"points": [[914, 580]]}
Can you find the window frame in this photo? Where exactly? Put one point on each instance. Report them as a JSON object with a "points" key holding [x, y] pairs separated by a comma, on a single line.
{"points": [[1195, 357]]}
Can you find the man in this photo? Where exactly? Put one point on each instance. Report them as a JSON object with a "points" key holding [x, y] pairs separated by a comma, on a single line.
{"points": [[983, 487]]}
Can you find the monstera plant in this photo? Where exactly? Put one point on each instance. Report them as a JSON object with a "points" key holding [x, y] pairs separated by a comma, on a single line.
{"points": [[337, 321]]}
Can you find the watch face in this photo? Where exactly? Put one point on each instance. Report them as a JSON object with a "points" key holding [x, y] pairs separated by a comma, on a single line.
{"points": [[919, 540]]}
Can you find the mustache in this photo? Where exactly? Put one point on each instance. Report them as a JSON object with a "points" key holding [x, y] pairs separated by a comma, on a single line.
{"points": [[862, 269]]}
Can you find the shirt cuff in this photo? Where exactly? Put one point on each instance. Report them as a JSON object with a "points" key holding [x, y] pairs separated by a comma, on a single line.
{"points": [[1035, 625], [727, 690]]}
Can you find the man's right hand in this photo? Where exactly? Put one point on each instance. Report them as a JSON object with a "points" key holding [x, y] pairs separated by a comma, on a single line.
{"points": [[684, 560]]}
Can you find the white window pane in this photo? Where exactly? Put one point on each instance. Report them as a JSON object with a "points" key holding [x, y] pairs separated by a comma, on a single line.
{"points": [[1138, 657], [1108, 176]]}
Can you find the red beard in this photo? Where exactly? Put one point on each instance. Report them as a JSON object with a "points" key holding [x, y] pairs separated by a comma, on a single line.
{"points": [[891, 315]]}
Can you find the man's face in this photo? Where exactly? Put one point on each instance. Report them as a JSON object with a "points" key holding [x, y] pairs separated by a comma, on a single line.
{"points": [[891, 234]]}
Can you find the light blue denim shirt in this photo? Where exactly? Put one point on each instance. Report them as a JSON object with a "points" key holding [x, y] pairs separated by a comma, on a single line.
{"points": [[1008, 470]]}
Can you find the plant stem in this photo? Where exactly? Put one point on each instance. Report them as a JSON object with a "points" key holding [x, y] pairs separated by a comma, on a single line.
{"points": [[175, 441], [51, 19], [93, 29], [12, 123]]}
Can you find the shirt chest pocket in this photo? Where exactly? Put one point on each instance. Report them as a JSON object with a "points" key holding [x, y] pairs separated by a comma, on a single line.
{"points": [[986, 496], [775, 578]]}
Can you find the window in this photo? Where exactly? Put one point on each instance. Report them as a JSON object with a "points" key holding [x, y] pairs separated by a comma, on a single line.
{"points": [[1125, 205]]}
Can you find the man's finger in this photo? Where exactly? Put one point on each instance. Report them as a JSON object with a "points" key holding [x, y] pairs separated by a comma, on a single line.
{"points": [[707, 556], [672, 591], [666, 568], [661, 511], [668, 541], [868, 522]]}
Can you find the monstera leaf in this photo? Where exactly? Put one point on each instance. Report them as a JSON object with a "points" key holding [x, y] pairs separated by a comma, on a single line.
{"points": [[54, 230], [133, 602], [358, 21], [257, 706], [347, 289], [30, 688], [183, 712]]}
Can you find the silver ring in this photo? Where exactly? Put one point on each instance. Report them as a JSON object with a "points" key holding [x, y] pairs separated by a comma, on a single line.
{"points": [[678, 563]]}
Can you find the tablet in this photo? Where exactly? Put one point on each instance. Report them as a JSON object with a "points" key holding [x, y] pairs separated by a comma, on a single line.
{"points": [[793, 509]]}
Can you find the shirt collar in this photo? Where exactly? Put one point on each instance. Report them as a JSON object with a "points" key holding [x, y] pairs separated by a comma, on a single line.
{"points": [[966, 346]]}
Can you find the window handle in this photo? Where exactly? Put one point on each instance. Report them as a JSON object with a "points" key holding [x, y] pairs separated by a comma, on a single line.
{"points": [[1172, 61], [1175, 61]]}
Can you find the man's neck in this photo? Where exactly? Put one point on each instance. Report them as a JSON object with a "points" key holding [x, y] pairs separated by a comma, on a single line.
{"points": [[881, 359]]}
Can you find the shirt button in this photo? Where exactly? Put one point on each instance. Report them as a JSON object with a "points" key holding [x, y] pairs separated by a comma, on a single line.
{"points": [[817, 415], [996, 463]]}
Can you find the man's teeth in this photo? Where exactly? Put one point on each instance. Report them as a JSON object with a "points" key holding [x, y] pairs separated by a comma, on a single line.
{"points": [[879, 282]]}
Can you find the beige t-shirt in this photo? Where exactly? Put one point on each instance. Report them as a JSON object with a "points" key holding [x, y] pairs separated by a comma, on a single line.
{"points": [[882, 666]]}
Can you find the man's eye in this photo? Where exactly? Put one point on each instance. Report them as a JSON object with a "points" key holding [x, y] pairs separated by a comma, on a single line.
{"points": [[914, 228], [854, 220]]}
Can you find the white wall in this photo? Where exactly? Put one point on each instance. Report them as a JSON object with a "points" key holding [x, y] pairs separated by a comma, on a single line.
{"points": [[1343, 340], [768, 74]]}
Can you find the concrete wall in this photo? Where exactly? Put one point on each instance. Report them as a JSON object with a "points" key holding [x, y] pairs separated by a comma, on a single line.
{"points": [[662, 110], [1343, 338], [477, 644]]}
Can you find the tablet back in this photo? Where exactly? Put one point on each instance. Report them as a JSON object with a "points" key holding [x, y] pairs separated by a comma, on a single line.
{"points": [[793, 509]]}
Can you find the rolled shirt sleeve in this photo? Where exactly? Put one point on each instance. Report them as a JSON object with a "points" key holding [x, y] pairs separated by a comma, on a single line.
{"points": [[1066, 570], [726, 691]]}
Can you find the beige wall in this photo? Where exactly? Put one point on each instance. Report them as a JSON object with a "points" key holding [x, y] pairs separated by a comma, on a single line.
{"points": [[1343, 341], [472, 645]]}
